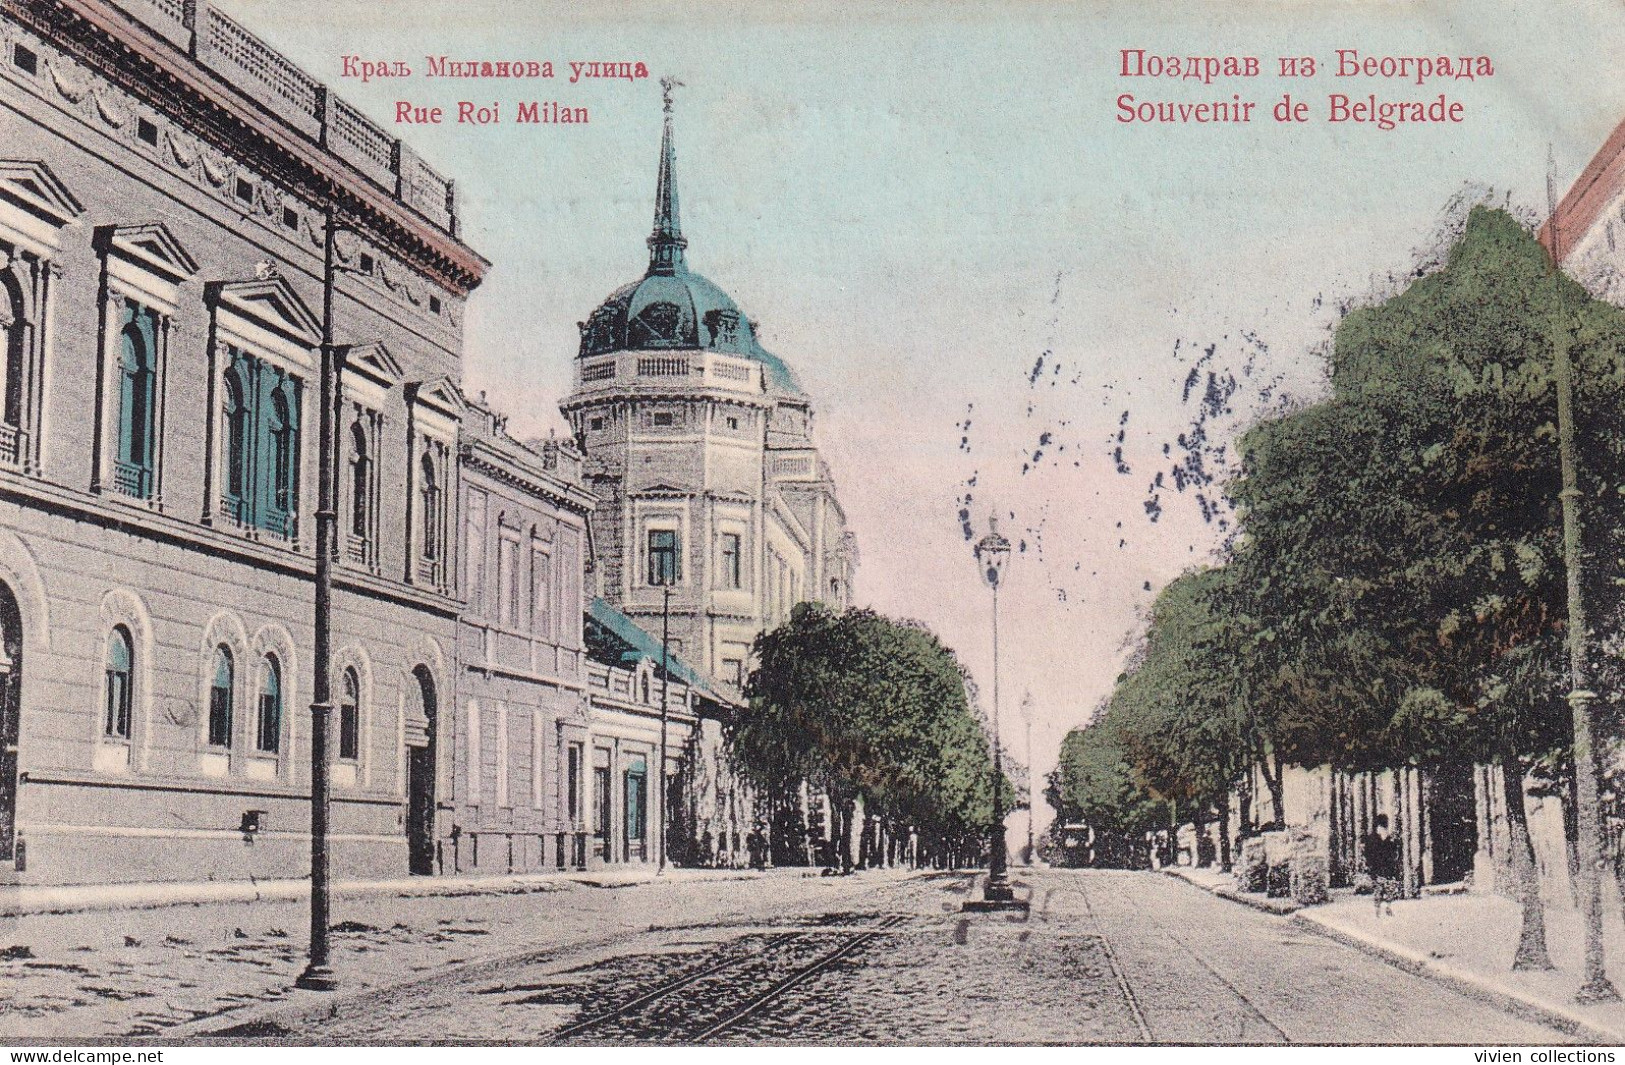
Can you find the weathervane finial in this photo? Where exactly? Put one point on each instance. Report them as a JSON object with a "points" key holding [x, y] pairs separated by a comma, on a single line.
{"points": [[667, 84]]}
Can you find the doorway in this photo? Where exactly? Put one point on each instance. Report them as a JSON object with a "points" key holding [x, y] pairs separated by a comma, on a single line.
{"points": [[420, 773]]}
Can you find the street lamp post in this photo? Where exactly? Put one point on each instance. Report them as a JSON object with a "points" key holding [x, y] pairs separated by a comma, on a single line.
{"points": [[665, 679], [1596, 986], [318, 975], [1027, 723], [992, 554]]}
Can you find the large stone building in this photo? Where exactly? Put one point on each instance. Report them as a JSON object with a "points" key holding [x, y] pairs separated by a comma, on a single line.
{"points": [[163, 189], [522, 726], [698, 445]]}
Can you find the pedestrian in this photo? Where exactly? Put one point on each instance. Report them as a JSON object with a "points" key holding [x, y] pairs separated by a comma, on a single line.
{"points": [[1382, 864], [756, 844]]}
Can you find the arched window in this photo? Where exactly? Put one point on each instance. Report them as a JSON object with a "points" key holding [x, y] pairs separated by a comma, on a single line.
{"points": [[221, 697], [645, 682], [431, 511], [120, 683], [236, 441], [136, 426], [268, 733], [350, 717], [360, 484]]}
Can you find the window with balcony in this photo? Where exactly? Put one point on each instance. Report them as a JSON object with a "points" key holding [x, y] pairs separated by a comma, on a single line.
{"points": [[14, 334], [665, 563], [136, 396], [360, 485], [260, 438], [431, 544]]}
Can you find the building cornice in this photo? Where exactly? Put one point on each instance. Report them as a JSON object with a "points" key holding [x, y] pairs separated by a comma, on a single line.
{"points": [[482, 457], [151, 68]]}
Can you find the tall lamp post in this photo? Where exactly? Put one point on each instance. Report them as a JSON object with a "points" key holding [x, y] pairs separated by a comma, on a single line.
{"points": [[1027, 723], [1596, 986], [665, 679], [992, 555], [318, 974]]}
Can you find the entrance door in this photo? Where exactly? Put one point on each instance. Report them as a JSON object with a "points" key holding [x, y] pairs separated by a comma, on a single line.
{"points": [[11, 660], [420, 766], [636, 800], [600, 811], [1453, 822]]}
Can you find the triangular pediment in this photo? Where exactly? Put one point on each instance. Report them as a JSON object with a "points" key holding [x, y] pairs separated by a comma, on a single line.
{"points": [[374, 362], [151, 246], [442, 395], [270, 302], [32, 185]]}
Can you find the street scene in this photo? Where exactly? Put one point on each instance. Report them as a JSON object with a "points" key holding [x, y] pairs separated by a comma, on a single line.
{"points": [[881, 957], [703, 546]]}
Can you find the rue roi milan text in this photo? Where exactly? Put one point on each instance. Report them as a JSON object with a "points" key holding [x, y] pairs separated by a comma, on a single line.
{"points": [[469, 113]]}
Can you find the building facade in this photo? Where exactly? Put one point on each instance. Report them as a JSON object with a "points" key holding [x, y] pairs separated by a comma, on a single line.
{"points": [[521, 732], [165, 193], [699, 448]]}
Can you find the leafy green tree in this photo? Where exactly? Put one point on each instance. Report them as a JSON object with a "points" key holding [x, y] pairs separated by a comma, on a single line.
{"points": [[871, 711]]}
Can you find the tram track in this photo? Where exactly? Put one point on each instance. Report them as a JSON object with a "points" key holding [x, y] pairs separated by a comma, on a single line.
{"points": [[627, 1014], [1130, 999]]}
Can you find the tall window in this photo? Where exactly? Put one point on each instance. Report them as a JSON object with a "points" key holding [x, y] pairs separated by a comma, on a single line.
{"points": [[283, 431], [360, 484], [572, 798], [222, 691], [13, 331], [235, 416], [508, 582], [268, 733], [431, 510], [541, 593], [474, 551], [261, 445], [635, 792], [663, 558], [730, 560], [350, 718], [133, 465], [120, 683]]}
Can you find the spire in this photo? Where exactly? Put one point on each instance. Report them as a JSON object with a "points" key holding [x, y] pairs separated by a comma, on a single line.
{"points": [[666, 243]]}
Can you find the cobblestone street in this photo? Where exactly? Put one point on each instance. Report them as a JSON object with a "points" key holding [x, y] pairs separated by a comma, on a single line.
{"points": [[875, 958]]}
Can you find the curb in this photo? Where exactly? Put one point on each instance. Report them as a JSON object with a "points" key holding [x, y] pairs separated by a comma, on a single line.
{"points": [[1277, 907], [58, 901], [1468, 983]]}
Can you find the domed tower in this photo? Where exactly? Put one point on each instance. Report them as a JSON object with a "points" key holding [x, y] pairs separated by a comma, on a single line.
{"points": [[699, 447]]}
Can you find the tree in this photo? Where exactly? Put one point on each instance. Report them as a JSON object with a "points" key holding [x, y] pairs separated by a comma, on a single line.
{"points": [[875, 713]]}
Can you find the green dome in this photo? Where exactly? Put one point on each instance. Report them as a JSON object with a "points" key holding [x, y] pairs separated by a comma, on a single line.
{"points": [[672, 308]]}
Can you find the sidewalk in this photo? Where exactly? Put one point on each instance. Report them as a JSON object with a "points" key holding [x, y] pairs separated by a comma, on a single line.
{"points": [[16, 901], [1467, 941]]}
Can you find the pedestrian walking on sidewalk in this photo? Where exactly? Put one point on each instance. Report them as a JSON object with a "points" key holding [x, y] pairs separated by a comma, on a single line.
{"points": [[1382, 863]]}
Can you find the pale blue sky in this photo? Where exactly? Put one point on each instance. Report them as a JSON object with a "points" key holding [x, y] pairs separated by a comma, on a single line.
{"points": [[916, 200]]}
